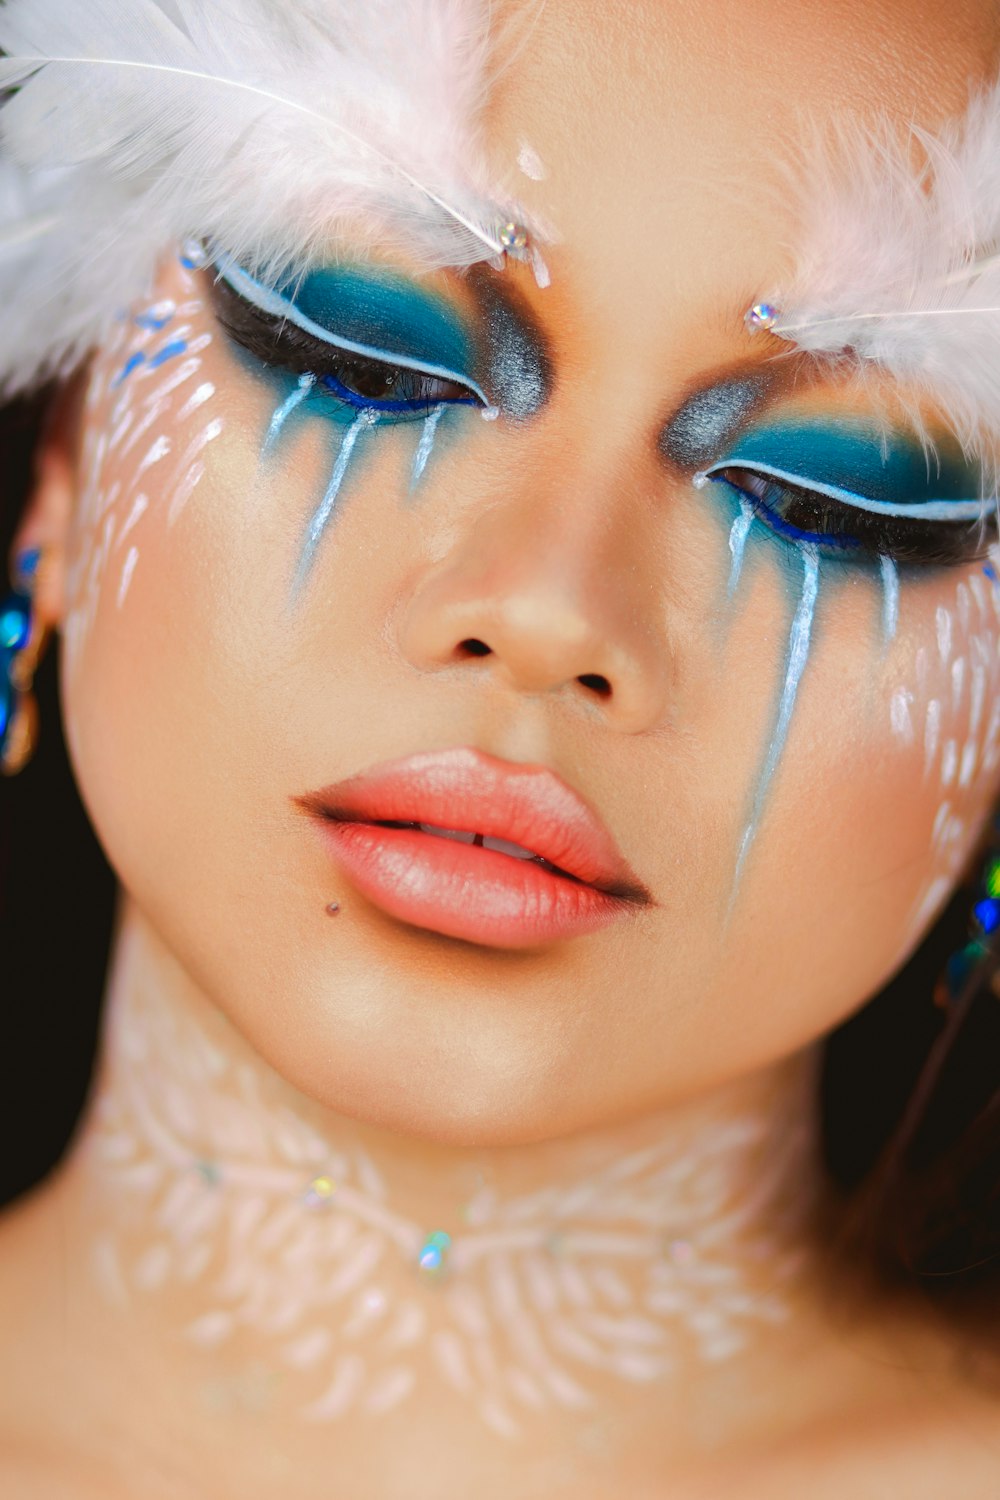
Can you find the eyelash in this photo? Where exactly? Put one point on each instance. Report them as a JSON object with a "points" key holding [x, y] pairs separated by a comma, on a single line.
{"points": [[282, 344], [849, 533]]}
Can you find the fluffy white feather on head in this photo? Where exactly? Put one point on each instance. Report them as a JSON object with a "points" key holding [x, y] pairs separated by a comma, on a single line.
{"points": [[270, 130], [897, 264]]}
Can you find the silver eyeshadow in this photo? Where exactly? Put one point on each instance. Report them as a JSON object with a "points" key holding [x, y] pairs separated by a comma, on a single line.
{"points": [[693, 437]]}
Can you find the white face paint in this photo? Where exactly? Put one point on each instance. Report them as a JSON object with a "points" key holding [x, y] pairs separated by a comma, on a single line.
{"points": [[656, 1257], [146, 413], [949, 706]]}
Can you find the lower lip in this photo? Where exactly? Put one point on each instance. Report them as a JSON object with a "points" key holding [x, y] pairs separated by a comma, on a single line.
{"points": [[465, 891]]}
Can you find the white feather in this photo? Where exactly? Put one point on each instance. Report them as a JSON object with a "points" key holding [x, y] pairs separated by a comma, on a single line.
{"points": [[271, 129], [898, 264]]}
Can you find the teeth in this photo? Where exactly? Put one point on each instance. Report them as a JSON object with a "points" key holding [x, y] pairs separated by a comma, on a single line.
{"points": [[502, 847], [457, 834], [462, 837]]}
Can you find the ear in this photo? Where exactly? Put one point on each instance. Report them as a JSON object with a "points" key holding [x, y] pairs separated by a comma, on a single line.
{"points": [[47, 519]]}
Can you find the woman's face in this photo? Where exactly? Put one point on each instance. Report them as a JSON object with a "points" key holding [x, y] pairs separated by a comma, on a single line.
{"points": [[794, 761]]}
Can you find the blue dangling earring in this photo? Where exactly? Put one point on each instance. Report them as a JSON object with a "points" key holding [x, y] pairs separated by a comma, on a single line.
{"points": [[966, 970], [21, 641]]}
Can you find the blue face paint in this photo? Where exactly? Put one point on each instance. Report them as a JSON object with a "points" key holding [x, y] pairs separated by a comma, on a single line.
{"points": [[843, 485], [373, 339], [853, 459], [797, 655]]}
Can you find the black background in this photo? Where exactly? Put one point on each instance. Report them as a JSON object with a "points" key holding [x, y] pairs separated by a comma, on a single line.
{"points": [[56, 905]]}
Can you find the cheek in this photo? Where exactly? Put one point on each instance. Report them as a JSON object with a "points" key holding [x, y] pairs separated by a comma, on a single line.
{"points": [[161, 441], [944, 720], [152, 418], [889, 769]]}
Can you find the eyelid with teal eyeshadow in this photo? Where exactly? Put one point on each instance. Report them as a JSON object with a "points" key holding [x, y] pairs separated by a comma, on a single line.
{"points": [[275, 305], [928, 510]]}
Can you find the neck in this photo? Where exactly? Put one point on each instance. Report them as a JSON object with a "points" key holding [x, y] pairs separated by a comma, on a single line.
{"points": [[313, 1266]]}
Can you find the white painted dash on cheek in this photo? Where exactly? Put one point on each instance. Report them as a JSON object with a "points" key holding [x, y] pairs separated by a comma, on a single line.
{"points": [[978, 697], [941, 818], [968, 765], [943, 623], [204, 393], [154, 455], [932, 732], [978, 593], [949, 762], [900, 716], [957, 682], [128, 569], [963, 607], [185, 490], [135, 515]]}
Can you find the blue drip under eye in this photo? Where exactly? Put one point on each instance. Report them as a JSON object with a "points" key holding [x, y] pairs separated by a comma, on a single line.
{"points": [[785, 528]]}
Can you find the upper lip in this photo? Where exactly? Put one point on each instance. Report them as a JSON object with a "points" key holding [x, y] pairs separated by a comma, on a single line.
{"points": [[467, 789]]}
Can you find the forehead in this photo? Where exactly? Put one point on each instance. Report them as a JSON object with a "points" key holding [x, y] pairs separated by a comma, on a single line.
{"points": [[663, 126]]}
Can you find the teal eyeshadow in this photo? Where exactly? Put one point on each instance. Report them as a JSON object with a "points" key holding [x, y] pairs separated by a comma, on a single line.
{"points": [[374, 313], [856, 457]]}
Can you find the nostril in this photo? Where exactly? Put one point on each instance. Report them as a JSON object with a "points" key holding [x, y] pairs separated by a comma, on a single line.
{"points": [[598, 684], [473, 648]]}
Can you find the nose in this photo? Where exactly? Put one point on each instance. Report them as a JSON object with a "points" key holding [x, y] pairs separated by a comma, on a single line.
{"points": [[548, 603]]}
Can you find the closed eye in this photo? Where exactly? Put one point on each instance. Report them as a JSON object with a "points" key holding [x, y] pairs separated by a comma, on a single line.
{"points": [[355, 376], [857, 528]]}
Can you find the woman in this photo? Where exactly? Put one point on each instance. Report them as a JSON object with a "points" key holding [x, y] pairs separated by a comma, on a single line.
{"points": [[505, 810]]}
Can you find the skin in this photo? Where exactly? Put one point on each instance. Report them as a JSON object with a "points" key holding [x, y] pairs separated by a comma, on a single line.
{"points": [[571, 547]]}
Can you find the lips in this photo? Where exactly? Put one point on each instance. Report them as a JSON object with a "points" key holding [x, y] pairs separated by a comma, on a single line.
{"points": [[470, 846]]}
